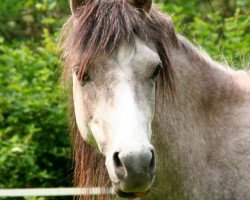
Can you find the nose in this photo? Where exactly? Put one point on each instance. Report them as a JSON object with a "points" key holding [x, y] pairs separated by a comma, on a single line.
{"points": [[135, 164]]}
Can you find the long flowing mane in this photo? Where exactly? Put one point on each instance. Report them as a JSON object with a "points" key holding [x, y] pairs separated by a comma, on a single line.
{"points": [[94, 32]]}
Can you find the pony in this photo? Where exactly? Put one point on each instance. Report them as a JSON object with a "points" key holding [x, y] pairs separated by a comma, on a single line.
{"points": [[151, 114]]}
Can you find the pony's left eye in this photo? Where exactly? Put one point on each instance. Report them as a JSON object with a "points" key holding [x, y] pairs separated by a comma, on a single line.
{"points": [[157, 71]]}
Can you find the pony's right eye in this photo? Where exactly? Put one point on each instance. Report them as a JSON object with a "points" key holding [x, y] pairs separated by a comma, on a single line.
{"points": [[85, 79]]}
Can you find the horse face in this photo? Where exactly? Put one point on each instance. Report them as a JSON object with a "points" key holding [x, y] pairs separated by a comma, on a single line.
{"points": [[114, 108]]}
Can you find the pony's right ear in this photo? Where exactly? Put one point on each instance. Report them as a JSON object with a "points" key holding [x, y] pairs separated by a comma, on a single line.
{"points": [[74, 4]]}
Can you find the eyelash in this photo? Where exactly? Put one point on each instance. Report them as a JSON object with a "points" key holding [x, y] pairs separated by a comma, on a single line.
{"points": [[157, 71], [85, 79]]}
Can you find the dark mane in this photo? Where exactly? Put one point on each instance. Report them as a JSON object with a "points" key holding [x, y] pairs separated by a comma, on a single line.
{"points": [[94, 32]]}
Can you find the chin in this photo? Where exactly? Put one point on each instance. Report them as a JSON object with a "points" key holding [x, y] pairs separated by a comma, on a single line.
{"points": [[130, 195], [132, 190]]}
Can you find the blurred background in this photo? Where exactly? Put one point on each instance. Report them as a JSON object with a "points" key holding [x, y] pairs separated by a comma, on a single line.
{"points": [[34, 141]]}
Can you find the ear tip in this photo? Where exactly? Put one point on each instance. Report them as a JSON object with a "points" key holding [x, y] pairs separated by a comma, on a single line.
{"points": [[141, 4]]}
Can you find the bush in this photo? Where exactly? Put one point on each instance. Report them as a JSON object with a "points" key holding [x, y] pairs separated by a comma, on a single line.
{"points": [[25, 19], [220, 28], [34, 145]]}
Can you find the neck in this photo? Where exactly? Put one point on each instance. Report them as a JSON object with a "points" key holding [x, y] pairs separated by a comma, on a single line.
{"points": [[187, 129]]}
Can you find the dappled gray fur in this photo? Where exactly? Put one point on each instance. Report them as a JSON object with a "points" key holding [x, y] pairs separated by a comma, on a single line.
{"points": [[202, 136]]}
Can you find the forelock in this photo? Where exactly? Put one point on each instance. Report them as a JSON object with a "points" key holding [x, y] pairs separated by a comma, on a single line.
{"points": [[97, 29]]}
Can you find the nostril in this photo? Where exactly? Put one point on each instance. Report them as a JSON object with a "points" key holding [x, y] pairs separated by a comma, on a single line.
{"points": [[120, 170], [117, 161], [151, 169]]}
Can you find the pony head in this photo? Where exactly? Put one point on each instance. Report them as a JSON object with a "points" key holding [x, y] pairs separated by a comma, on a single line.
{"points": [[116, 51]]}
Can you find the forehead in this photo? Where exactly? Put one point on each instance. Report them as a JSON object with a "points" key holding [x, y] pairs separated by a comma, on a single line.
{"points": [[139, 58], [139, 55]]}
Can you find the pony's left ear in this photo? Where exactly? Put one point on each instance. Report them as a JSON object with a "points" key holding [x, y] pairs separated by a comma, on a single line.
{"points": [[142, 4], [74, 4]]}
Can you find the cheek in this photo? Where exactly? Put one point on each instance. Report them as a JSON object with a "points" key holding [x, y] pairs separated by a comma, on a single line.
{"points": [[86, 109], [151, 99], [98, 135], [82, 113], [81, 116], [82, 122], [146, 97]]}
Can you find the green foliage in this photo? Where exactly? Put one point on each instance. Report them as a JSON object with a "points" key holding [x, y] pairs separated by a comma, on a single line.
{"points": [[34, 144], [223, 36], [22, 19], [220, 27]]}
